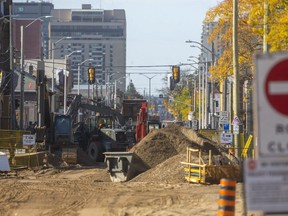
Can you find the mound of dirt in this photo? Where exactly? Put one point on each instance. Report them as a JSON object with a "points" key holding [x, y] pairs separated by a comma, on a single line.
{"points": [[170, 171], [162, 144], [162, 151]]}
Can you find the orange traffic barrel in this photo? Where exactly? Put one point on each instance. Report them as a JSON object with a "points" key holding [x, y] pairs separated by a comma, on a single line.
{"points": [[226, 202]]}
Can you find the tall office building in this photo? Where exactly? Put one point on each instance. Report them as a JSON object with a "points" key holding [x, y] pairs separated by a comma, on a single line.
{"points": [[101, 37], [33, 10]]}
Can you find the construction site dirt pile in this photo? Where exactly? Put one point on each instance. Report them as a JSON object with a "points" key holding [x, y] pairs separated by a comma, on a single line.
{"points": [[170, 171], [160, 145], [163, 150]]}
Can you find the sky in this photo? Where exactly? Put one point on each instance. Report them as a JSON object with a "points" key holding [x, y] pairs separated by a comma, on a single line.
{"points": [[156, 34]]}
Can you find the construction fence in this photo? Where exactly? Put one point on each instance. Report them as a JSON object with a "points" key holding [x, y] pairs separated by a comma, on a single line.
{"points": [[11, 143], [198, 171]]}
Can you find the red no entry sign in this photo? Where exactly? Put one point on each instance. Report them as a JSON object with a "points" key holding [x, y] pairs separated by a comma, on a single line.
{"points": [[276, 87], [271, 108]]}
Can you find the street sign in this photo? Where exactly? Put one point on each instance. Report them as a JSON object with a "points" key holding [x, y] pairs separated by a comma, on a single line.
{"points": [[235, 129], [266, 185], [236, 121], [226, 127], [224, 117], [28, 139], [226, 138], [195, 124], [272, 104]]}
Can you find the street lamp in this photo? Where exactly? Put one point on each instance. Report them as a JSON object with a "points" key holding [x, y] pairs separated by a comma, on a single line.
{"points": [[115, 91], [53, 73], [22, 67], [203, 92], [79, 73], [150, 78], [65, 79], [205, 49]]}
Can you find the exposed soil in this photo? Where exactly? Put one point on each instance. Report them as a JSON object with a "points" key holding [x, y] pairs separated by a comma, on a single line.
{"points": [[60, 189]]}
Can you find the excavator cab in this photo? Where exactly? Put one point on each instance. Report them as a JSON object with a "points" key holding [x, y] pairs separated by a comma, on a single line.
{"points": [[153, 125]]}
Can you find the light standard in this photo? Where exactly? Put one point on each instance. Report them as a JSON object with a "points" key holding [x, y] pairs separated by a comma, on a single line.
{"points": [[79, 65], [203, 81], [22, 67], [150, 78], [11, 64], [115, 91], [192, 90], [203, 48], [65, 79], [53, 72]]}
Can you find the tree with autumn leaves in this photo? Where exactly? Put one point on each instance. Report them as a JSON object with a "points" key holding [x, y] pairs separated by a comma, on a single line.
{"points": [[250, 39], [250, 33], [180, 101]]}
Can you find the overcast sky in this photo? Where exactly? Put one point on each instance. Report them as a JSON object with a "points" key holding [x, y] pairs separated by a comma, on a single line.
{"points": [[156, 32]]}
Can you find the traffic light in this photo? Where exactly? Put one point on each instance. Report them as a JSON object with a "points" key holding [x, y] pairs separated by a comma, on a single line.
{"points": [[171, 83], [176, 73], [91, 75]]}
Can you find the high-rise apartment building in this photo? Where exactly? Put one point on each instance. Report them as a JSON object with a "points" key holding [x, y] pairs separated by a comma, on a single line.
{"points": [[101, 37], [209, 48]]}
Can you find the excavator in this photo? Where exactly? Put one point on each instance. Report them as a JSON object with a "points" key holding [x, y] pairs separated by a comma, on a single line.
{"points": [[145, 123], [135, 113], [101, 129], [123, 166]]}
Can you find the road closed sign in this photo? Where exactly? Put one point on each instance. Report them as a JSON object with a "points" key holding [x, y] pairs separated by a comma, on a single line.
{"points": [[271, 77], [266, 185]]}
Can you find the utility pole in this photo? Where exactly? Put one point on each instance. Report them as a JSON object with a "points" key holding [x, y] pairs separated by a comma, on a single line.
{"points": [[265, 27], [107, 88], [205, 95], [235, 72], [203, 108], [41, 82], [22, 89], [213, 91], [199, 101], [12, 93]]}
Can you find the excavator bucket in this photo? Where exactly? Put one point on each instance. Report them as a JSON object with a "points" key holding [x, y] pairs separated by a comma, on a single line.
{"points": [[123, 166]]}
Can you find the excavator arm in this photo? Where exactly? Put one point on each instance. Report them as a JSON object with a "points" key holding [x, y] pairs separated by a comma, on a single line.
{"points": [[76, 104]]}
